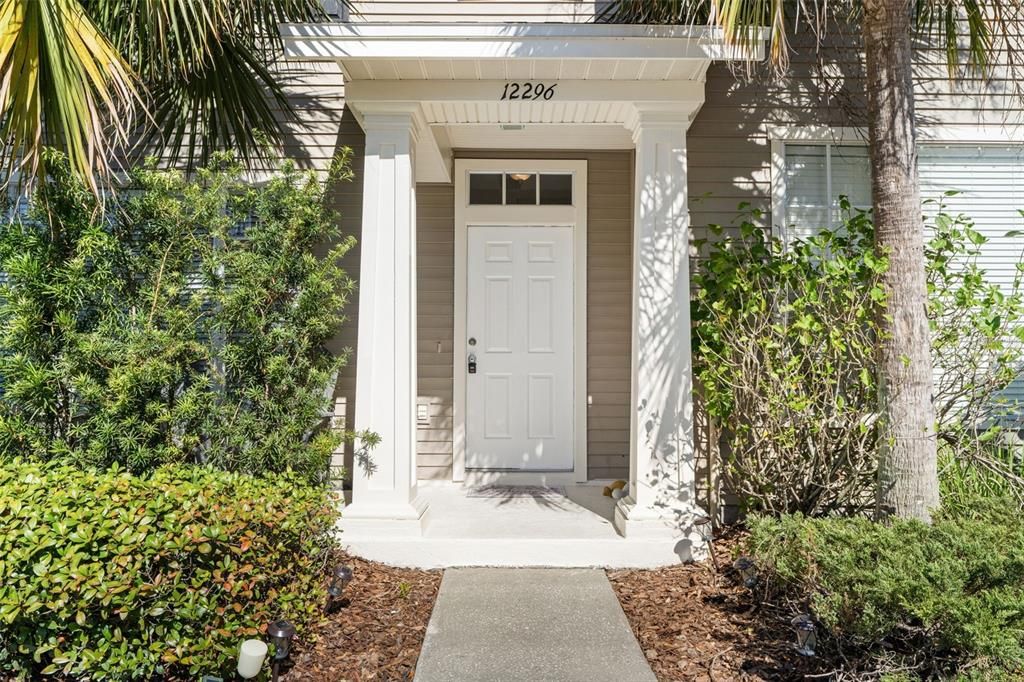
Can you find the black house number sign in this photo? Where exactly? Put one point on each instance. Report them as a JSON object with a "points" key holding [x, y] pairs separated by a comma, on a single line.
{"points": [[528, 90]]}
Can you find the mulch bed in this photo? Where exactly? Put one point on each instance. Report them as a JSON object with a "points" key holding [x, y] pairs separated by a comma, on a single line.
{"points": [[376, 631], [694, 623]]}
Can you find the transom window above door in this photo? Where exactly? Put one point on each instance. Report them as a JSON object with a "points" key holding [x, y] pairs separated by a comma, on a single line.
{"points": [[520, 189]]}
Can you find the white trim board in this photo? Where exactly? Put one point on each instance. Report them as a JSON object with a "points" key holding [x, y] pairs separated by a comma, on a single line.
{"points": [[464, 40], [575, 215]]}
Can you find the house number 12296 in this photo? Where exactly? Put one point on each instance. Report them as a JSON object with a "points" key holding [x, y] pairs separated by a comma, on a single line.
{"points": [[528, 90]]}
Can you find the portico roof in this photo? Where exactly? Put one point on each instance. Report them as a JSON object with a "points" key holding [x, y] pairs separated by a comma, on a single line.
{"points": [[470, 82], [442, 44]]}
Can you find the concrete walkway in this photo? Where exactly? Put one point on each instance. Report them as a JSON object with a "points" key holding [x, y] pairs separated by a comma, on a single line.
{"points": [[536, 624]]}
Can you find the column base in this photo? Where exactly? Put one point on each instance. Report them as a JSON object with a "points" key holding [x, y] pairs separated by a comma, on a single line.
{"points": [[384, 520], [675, 523]]}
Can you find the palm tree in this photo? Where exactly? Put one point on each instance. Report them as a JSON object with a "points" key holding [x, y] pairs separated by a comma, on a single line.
{"points": [[183, 77], [907, 477]]}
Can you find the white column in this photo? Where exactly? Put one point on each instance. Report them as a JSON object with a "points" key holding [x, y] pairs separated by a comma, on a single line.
{"points": [[384, 493], [661, 501]]}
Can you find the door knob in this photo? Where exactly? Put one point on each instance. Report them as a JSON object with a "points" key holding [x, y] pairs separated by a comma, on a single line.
{"points": [[472, 363]]}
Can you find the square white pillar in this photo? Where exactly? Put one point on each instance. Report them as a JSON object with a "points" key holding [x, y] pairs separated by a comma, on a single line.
{"points": [[661, 499], [384, 491]]}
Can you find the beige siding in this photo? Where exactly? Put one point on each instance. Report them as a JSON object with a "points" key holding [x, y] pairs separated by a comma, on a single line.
{"points": [[435, 258], [729, 145]]}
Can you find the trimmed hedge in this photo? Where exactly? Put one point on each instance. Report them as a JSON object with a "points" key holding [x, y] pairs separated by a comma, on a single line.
{"points": [[941, 598], [105, 575]]}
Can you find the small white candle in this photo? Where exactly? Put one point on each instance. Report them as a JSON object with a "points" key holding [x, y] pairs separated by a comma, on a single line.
{"points": [[250, 658]]}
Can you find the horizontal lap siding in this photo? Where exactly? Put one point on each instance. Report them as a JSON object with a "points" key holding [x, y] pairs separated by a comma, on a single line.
{"points": [[609, 302], [435, 280], [729, 149]]}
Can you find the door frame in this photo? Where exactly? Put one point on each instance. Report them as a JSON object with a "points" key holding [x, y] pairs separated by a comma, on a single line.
{"points": [[576, 216]]}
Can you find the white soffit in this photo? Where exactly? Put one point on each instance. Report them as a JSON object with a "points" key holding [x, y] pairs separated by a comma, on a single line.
{"points": [[590, 79], [490, 41], [546, 137]]}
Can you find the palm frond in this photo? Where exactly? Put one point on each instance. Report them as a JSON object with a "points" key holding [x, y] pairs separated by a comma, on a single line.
{"points": [[970, 32], [741, 21], [207, 63], [62, 83], [233, 100]]}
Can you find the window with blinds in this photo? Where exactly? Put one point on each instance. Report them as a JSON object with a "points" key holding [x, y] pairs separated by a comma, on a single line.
{"points": [[989, 180]]}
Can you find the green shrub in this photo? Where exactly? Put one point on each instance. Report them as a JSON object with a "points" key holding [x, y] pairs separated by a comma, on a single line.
{"points": [[945, 595], [104, 575], [188, 320], [785, 339]]}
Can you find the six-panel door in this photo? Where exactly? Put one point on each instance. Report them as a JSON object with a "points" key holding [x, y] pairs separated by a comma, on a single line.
{"points": [[520, 331]]}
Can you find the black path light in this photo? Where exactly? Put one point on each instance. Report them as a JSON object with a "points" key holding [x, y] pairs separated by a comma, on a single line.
{"points": [[281, 633], [806, 634], [340, 579], [747, 569]]}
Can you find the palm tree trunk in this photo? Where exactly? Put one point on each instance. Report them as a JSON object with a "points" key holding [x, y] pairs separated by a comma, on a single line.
{"points": [[907, 469]]}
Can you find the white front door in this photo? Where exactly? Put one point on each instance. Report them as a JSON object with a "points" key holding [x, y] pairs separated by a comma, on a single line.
{"points": [[520, 337]]}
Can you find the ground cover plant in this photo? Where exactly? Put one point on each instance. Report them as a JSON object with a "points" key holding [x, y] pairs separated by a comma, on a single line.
{"points": [[107, 575], [182, 319], [934, 601]]}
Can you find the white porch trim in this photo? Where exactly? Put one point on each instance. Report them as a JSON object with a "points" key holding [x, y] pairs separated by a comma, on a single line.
{"points": [[384, 484], [661, 501], [336, 41], [575, 215], [409, 85]]}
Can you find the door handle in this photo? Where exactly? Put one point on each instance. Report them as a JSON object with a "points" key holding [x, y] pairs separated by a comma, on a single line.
{"points": [[472, 363]]}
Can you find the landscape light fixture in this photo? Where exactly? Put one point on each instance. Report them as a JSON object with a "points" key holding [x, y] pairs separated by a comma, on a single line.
{"points": [[806, 634], [703, 525], [281, 633], [747, 569], [340, 579], [250, 658]]}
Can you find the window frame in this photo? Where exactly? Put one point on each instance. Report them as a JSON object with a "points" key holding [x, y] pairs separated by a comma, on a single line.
{"points": [[780, 136], [514, 170]]}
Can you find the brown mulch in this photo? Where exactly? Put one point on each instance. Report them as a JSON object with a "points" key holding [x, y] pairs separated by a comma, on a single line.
{"points": [[694, 623], [376, 630]]}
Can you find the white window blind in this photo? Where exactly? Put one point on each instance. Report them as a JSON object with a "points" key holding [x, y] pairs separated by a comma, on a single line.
{"points": [[816, 176], [989, 179]]}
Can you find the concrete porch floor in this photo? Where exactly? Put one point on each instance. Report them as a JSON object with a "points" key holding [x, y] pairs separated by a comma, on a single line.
{"points": [[573, 531]]}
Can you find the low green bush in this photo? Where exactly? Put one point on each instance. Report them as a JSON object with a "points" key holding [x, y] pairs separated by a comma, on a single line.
{"points": [[938, 599], [105, 575]]}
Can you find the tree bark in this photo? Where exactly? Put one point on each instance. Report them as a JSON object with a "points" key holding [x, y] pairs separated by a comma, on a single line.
{"points": [[907, 469]]}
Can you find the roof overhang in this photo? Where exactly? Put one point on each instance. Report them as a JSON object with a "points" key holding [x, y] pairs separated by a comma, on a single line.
{"points": [[341, 41], [456, 77]]}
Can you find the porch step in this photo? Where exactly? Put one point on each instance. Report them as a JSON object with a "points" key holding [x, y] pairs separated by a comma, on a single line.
{"points": [[433, 552], [463, 529]]}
